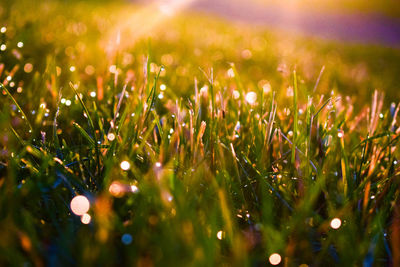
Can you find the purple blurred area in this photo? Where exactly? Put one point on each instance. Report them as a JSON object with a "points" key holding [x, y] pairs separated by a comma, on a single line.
{"points": [[350, 27]]}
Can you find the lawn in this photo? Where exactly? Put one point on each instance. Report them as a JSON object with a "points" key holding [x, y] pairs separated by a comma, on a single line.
{"points": [[133, 138]]}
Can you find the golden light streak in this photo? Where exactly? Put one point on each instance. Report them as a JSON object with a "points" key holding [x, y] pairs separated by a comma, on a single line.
{"points": [[142, 23]]}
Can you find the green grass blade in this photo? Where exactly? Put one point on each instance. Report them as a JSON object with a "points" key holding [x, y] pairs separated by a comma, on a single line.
{"points": [[17, 105], [295, 120], [84, 134]]}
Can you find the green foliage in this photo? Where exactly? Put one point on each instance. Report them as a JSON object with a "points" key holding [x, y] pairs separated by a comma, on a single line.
{"points": [[222, 165]]}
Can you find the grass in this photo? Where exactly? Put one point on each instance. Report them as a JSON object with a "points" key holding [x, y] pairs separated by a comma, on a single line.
{"points": [[198, 145]]}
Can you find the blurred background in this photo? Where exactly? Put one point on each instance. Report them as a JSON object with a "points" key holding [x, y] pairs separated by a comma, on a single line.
{"points": [[356, 21], [357, 42]]}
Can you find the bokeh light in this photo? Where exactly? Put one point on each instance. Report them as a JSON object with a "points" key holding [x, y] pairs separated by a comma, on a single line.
{"points": [[28, 67], [251, 98], [117, 189], [126, 239], [275, 259], [134, 189], [80, 205], [220, 235], [236, 94], [86, 218], [111, 137], [125, 165], [336, 223]]}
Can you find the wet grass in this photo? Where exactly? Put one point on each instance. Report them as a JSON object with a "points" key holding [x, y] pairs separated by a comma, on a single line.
{"points": [[200, 143]]}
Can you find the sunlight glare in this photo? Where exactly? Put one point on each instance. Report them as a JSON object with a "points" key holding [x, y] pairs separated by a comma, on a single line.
{"points": [[142, 22]]}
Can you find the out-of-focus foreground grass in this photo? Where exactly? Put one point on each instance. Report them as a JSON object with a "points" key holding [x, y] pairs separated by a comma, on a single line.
{"points": [[181, 135]]}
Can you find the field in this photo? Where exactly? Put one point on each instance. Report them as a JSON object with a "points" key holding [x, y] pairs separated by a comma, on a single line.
{"points": [[129, 137]]}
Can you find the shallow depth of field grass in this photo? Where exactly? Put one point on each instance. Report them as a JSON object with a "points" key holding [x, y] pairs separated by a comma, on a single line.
{"points": [[197, 143]]}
